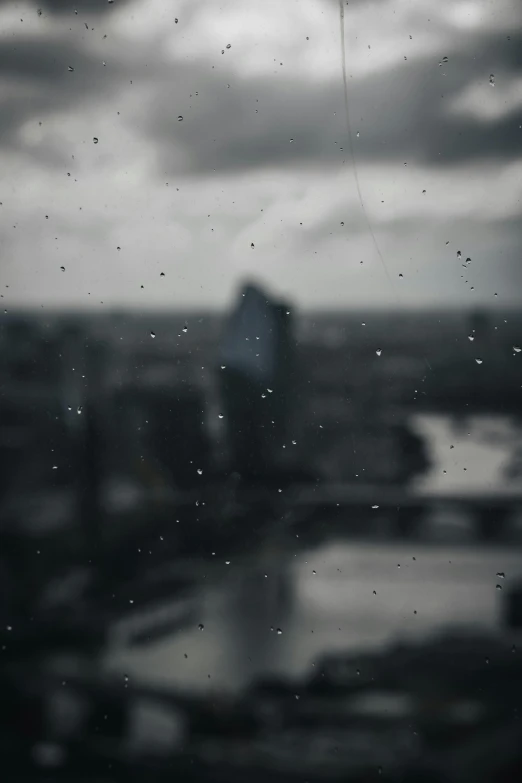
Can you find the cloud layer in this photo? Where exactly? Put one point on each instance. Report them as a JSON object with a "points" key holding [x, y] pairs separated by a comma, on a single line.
{"points": [[182, 133]]}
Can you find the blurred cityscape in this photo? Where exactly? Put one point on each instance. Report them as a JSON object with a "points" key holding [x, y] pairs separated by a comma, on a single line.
{"points": [[167, 475]]}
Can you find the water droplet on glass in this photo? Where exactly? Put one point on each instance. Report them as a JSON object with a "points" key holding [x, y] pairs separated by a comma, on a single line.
{"points": [[185, 329], [220, 415], [459, 254], [70, 68], [378, 351], [153, 335], [479, 361], [279, 632], [180, 118], [498, 587], [229, 46], [492, 79], [444, 59], [199, 472], [95, 139], [201, 626], [517, 348], [471, 337], [500, 575], [62, 268], [227, 562], [375, 506], [79, 410]]}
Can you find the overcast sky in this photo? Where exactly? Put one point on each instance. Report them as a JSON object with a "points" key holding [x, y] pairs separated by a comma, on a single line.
{"points": [[261, 154]]}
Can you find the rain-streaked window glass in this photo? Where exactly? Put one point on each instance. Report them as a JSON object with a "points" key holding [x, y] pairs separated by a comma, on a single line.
{"points": [[260, 390]]}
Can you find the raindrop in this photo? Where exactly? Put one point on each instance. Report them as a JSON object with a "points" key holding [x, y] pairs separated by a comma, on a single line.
{"points": [[227, 562], [279, 632], [153, 335], [79, 410], [229, 46], [492, 79], [499, 587], [185, 329], [95, 139], [180, 118], [375, 506], [220, 415], [62, 268], [400, 276], [125, 679], [314, 572], [459, 254], [444, 59], [70, 68], [500, 575], [176, 20], [517, 348], [358, 134], [270, 391], [471, 337], [201, 626], [199, 472], [479, 361], [252, 245], [378, 351]]}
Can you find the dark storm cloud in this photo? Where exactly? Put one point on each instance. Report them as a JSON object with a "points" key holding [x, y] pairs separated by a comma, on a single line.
{"points": [[72, 7], [400, 114], [37, 81], [35, 73]]}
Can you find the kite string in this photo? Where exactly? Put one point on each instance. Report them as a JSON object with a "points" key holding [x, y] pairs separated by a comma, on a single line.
{"points": [[354, 165], [350, 143]]}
